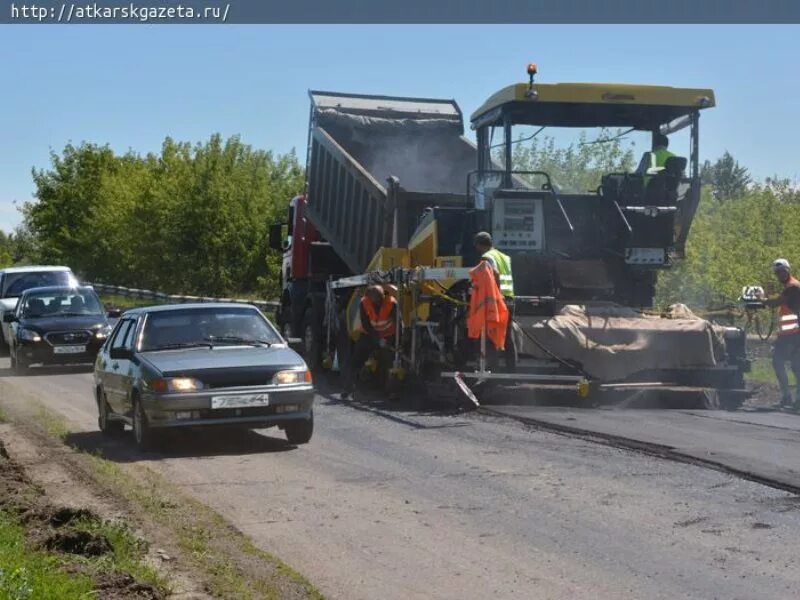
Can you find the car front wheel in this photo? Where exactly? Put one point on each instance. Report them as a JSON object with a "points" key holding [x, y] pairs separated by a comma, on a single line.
{"points": [[107, 426], [300, 432], [143, 435]]}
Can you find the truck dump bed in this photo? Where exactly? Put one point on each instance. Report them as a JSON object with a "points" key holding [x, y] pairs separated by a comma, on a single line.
{"points": [[357, 143]]}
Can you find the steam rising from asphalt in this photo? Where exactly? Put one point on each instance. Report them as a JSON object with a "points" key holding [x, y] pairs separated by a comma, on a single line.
{"points": [[426, 155]]}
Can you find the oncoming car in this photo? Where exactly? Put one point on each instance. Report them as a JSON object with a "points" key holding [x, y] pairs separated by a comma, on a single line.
{"points": [[56, 325], [199, 365], [15, 280]]}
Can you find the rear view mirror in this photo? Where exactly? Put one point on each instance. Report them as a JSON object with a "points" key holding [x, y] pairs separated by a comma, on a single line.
{"points": [[9, 318], [276, 236]]}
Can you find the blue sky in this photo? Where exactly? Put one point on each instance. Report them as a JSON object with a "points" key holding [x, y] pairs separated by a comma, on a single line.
{"points": [[130, 86]]}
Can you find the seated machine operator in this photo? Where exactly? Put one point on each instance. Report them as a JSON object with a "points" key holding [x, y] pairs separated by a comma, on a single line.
{"points": [[656, 159]]}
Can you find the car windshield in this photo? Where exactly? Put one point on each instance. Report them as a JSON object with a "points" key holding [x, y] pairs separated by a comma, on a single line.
{"points": [[61, 303], [16, 283], [211, 326]]}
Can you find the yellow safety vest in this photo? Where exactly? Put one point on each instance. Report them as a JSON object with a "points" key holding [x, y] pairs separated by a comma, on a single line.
{"points": [[661, 156], [503, 264]]}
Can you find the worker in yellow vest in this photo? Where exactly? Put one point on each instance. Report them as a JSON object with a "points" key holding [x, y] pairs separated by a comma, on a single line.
{"points": [[660, 150], [787, 342], [501, 264]]}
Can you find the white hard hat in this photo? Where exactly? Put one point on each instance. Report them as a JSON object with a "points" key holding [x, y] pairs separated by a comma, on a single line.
{"points": [[781, 263]]}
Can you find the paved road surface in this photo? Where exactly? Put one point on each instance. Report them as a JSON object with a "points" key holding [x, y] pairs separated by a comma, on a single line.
{"points": [[397, 505], [764, 443]]}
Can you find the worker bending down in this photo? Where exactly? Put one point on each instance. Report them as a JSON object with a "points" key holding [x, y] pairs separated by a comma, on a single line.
{"points": [[378, 316], [501, 264], [787, 342]]}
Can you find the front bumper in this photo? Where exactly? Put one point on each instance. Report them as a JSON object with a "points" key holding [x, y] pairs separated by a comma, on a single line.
{"points": [[286, 403], [44, 353]]}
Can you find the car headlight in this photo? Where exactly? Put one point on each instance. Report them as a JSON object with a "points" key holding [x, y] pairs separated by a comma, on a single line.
{"points": [[291, 377], [28, 335], [175, 384], [102, 332]]}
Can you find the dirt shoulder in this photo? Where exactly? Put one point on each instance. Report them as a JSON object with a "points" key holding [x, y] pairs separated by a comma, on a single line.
{"points": [[79, 524]]}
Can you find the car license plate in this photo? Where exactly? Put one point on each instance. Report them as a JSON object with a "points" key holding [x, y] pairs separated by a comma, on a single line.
{"points": [[240, 401], [69, 349]]}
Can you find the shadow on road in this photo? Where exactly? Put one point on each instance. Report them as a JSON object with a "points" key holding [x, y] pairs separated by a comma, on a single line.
{"points": [[179, 444]]}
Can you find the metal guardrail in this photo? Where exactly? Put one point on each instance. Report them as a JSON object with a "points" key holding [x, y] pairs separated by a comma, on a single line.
{"points": [[161, 297]]}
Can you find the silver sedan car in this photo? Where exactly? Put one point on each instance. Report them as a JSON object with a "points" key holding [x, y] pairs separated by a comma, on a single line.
{"points": [[201, 365]]}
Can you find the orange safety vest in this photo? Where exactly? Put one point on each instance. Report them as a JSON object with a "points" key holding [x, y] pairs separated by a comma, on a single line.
{"points": [[487, 309], [381, 320], [787, 319]]}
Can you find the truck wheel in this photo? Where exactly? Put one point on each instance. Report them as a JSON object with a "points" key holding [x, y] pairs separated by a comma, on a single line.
{"points": [[312, 340], [300, 432], [283, 318]]}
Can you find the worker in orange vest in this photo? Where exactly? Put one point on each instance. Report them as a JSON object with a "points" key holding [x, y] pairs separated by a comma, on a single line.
{"points": [[787, 342], [501, 266], [378, 315]]}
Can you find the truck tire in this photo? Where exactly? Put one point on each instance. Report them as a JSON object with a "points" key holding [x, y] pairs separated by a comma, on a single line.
{"points": [[283, 319], [312, 339]]}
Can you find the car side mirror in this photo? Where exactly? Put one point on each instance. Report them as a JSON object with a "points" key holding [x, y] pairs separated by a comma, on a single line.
{"points": [[120, 354], [113, 313], [296, 344], [9, 318]]}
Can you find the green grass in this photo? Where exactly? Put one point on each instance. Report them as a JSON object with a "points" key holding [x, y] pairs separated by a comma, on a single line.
{"points": [[53, 423], [761, 371], [196, 527], [30, 574], [128, 554]]}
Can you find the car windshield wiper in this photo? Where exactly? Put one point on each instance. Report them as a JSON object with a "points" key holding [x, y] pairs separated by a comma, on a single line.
{"points": [[74, 314], [232, 339], [179, 346]]}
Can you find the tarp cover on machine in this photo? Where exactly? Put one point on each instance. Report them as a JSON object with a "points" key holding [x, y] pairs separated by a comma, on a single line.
{"points": [[613, 342]]}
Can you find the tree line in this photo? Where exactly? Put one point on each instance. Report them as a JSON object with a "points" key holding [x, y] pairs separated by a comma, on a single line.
{"points": [[190, 219], [194, 218]]}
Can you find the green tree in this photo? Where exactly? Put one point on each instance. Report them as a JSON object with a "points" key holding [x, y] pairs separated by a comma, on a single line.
{"points": [[732, 244], [727, 178], [190, 219], [6, 250], [579, 166]]}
